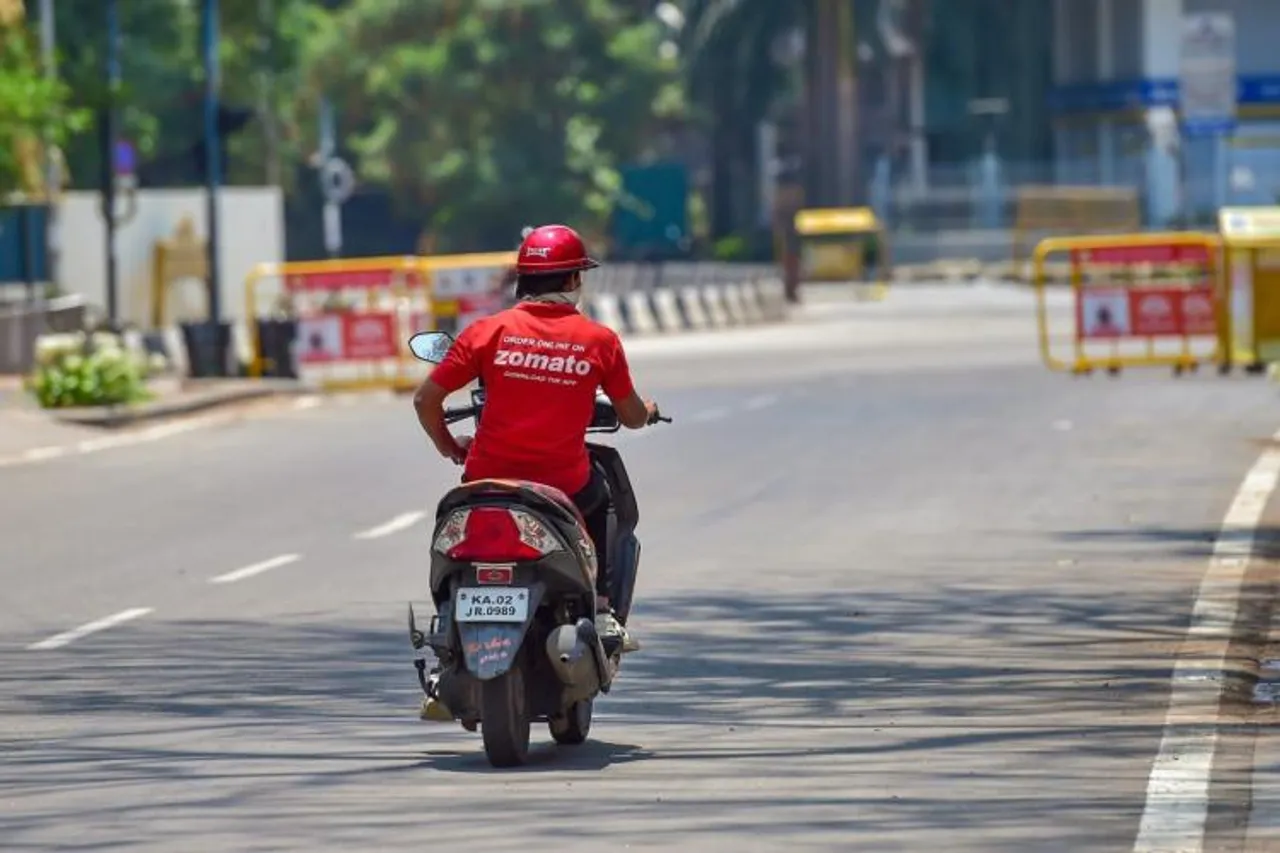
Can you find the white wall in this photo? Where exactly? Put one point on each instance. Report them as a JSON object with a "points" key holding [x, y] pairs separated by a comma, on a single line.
{"points": [[251, 231]]}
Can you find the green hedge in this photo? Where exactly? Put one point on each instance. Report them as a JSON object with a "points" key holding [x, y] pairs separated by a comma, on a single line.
{"points": [[81, 369]]}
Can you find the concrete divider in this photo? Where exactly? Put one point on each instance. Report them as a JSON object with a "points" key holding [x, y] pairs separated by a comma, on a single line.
{"points": [[695, 310], [734, 305], [607, 309], [691, 308], [752, 307], [713, 301], [640, 317], [669, 312]]}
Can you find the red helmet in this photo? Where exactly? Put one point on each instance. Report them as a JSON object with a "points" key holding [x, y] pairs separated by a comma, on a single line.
{"points": [[553, 249]]}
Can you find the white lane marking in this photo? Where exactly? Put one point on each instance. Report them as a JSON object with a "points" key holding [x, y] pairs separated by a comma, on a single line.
{"points": [[257, 568], [708, 415], [764, 401], [38, 453], [1177, 804], [308, 402], [60, 640], [124, 439], [395, 525]]}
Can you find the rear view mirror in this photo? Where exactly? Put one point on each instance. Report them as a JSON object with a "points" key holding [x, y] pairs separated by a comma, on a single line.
{"points": [[605, 416], [431, 347]]}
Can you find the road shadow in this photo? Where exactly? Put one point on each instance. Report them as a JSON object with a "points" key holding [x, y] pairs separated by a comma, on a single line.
{"points": [[220, 717], [594, 755], [1181, 543]]}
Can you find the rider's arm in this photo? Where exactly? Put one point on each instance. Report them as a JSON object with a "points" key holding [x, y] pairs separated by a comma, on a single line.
{"points": [[633, 411], [458, 369], [428, 402]]}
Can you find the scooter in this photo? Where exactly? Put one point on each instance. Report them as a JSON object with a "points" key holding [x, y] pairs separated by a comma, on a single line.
{"points": [[513, 580]]}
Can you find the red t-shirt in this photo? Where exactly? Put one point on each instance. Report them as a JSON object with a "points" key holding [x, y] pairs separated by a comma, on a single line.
{"points": [[541, 365]]}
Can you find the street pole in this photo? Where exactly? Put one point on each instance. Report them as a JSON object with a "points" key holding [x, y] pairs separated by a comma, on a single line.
{"points": [[109, 133], [52, 182], [270, 129], [213, 149], [332, 210]]}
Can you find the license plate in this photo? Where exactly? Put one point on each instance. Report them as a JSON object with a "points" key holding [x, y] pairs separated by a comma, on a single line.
{"points": [[492, 604]]}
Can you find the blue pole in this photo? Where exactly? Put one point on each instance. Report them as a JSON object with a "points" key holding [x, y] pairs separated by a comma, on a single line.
{"points": [[213, 148]]}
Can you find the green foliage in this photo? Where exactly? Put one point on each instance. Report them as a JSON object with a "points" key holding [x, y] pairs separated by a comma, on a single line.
{"points": [[478, 116], [731, 248], [32, 108], [80, 370], [729, 45], [488, 115]]}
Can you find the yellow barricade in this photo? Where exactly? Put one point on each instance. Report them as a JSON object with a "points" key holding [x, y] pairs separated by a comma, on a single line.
{"points": [[464, 287], [1251, 238], [835, 243], [350, 319], [1137, 300]]}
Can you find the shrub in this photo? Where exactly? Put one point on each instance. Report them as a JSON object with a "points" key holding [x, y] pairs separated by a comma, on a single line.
{"points": [[87, 370]]}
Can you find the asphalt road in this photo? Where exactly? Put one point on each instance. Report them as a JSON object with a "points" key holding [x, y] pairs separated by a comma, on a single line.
{"points": [[902, 589]]}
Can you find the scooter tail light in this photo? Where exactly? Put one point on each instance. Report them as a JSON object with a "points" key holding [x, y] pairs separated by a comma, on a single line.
{"points": [[535, 534], [495, 534], [452, 532]]}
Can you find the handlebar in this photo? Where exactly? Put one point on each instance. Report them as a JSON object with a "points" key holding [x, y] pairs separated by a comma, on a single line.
{"points": [[461, 413]]}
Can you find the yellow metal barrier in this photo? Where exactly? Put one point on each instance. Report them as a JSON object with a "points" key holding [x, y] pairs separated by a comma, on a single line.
{"points": [[464, 287], [1251, 238], [353, 318], [1138, 300], [834, 243]]}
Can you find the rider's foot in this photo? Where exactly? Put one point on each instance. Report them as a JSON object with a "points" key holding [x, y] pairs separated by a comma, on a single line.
{"points": [[434, 711], [432, 708], [607, 625]]}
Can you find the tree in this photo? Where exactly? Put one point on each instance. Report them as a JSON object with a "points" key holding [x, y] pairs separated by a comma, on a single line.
{"points": [[733, 76], [159, 101], [731, 61], [33, 110], [486, 115]]}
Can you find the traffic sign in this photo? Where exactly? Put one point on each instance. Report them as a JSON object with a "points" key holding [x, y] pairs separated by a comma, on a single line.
{"points": [[126, 158], [337, 180], [1207, 86]]}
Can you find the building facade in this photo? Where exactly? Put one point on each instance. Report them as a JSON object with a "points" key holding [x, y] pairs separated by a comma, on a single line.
{"points": [[1115, 77]]}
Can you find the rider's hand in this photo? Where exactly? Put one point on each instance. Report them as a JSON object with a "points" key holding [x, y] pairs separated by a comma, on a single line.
{"points": [[652, 409], [458, 454]]}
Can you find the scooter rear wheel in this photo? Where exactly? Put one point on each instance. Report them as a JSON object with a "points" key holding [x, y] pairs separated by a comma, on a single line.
{"points": [[504, 719]]}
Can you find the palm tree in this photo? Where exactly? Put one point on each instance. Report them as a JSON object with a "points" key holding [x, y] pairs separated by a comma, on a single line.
{"points": [[733, 74], [734, 78]]}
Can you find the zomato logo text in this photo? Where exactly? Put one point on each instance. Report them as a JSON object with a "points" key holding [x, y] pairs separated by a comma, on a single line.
{"points": [[568, 365]]}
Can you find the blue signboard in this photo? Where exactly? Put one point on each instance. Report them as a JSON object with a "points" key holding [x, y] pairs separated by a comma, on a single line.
{"points": [[24, 244], [1119, 95], [651, 216], [126, 159]]}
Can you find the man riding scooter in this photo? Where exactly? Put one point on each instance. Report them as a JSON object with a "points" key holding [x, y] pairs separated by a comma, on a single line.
{"points": [[535, 421]]}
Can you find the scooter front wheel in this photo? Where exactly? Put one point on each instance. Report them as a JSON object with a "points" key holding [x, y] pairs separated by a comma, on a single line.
{"points": [[574, 727]]}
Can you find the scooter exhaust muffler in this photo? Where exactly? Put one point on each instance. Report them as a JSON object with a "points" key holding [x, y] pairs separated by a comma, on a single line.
{"points": [[571, 655]]}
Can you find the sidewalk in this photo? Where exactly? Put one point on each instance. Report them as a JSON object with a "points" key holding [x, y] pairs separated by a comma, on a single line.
{"points": [[25, 427]]}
